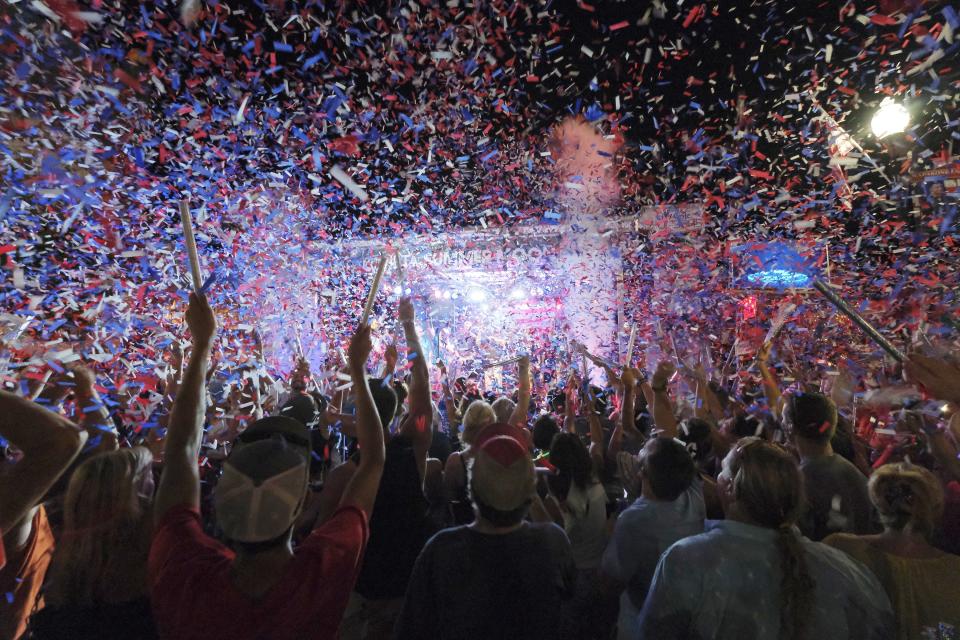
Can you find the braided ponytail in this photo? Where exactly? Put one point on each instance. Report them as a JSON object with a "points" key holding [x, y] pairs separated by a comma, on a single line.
{"points": [[767, 482], [796, 585]]}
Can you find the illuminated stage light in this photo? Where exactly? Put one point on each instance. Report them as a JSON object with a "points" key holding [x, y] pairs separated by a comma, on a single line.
{"points": [[892, 117], [398, 290], [447, 295], [779, 279], [476, 295], [775, 265], [517, 293]]}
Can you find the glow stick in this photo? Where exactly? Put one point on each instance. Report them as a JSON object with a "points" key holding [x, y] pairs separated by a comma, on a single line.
{"points": [[504, 363], [400, 274], [43, 384], [191, 243], [348, 183], [778, 323], [296, 334], [582, 348], [633, 335], [374, 288], [859, 320]]}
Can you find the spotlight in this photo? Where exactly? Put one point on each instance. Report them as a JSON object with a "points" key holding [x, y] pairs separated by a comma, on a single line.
{"points": [[892, 117], [476, 295], [517, 293], [780, 279], [447, 295], [398, 290]]}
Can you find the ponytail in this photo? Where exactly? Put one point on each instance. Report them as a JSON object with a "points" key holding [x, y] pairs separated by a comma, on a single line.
{"points": [[796, 585], [767, 481]]}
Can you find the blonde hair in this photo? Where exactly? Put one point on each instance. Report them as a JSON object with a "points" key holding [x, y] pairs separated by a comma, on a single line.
{"points": [[503, 408], [477, 416], [907, 497], [768, 484], [106, 529]]}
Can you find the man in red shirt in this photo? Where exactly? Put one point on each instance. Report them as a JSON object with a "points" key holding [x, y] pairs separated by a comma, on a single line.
{"points": [[258, 586]]}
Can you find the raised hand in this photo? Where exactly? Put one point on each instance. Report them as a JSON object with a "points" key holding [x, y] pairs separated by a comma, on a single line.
{"points": [[84, 380], [938, 377], [201, 320], [523, 369], [360, 346], [390, 355], [763, 354], [662, 376]]}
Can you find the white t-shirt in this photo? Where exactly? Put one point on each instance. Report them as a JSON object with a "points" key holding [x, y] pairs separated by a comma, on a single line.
{"points": [[585, 521]]}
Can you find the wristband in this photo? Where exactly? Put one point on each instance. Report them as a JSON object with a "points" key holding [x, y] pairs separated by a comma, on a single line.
{"points": [[659, 389]]}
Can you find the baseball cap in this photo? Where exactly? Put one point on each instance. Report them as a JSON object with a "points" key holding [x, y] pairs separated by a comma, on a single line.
{"points": [[294, 432], [501, 474], [259, 494]]}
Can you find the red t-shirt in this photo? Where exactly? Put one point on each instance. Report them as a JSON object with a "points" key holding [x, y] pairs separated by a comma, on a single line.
{"points": [[193, 596]]}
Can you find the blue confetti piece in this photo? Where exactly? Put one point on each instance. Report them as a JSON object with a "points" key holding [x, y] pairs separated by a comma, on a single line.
{"points": [[209, 282]]}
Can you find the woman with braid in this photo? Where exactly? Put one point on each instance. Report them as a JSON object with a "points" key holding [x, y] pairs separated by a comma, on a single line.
{"points": [[753, 575]]}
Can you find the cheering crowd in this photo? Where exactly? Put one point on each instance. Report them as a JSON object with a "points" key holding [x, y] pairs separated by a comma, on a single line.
{"points": [[394, 506]]}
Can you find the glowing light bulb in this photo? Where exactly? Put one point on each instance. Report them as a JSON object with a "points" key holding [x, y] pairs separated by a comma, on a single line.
{"points": [[892, 117]]}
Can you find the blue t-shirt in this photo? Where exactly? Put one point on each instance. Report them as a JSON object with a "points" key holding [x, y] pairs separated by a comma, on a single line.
{"points": [[725, 585]]}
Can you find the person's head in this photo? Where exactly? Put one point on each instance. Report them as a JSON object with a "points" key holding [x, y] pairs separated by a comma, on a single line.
{"points": [[501, 477], [401, 391], [557, 399], [761, 484], [571, 458], [544, 429], [843, 438], [695, 433], [301, 407], [743, 425], [907, 497], [810, 416], [667, 466], [106, 526], [264, 484], [503, 408], [385, 399], [477, 416]]}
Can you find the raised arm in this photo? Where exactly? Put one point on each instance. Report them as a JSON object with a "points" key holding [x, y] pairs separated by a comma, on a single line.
{"points": [[708, 404], [389, 361], [940, 378], [771, 388], [449, 403], [91, 414], [361, 490], [596, 431], [522, 410], [180, 481], [569, 414], [626, 413], [662, 407], [49, 443], [418, 424]]}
